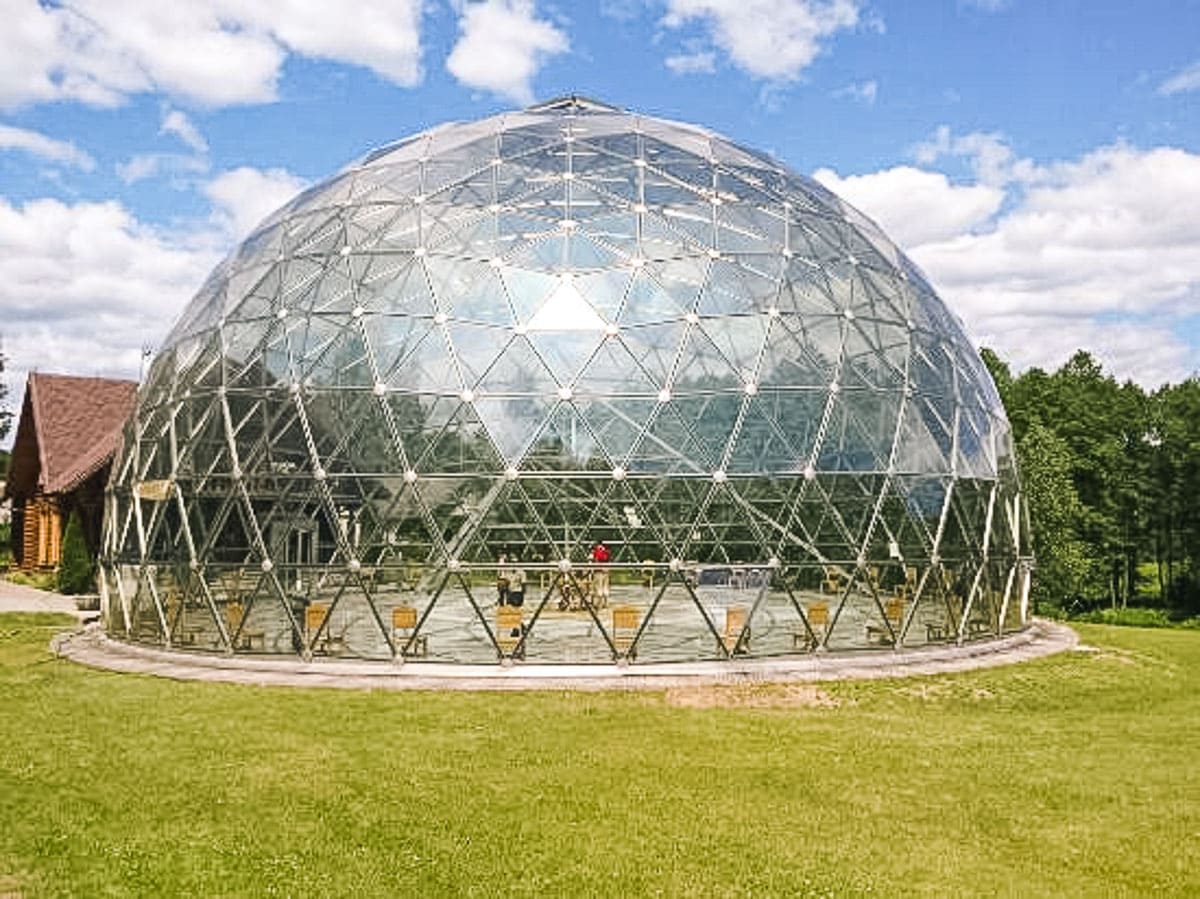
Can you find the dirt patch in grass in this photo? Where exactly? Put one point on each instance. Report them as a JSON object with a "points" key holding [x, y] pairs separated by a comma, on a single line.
{"points": [[1112, 654], [751, 696], [12, 886], [927, 691]]}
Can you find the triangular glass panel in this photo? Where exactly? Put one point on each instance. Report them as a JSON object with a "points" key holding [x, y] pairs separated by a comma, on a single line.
{"points": [[604, 291], [405, 290], [612, 370], [648, 302], [918, 451], [565, 353], [241, 344], [615, 228], [513, 423], [692, 221], [677, 629], [392, 337], [732, 289], [567, 443], [671, 444], [976, 457], [790, 359], [518, 370], [462, 445], [655, 347], [475, 348], [851, 444], [527, 226], [659, 241], [702, 367], [456, 617], [617, 423], [763, 445], [528, 290], [481, 299], [566, 310], [428, 368], [510, 528], [805, 293], [349, 360], [740, 339]]}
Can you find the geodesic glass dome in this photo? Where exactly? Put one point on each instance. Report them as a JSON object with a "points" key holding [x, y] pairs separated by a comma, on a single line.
{"points": [[426, 388]]}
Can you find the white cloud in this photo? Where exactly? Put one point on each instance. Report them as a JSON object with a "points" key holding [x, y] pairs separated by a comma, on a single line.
{"points": [[245, 196], [175, 122], [381, 35], [83, 286], [44, 147], [914, 206], [501, 46], [691, 63], [1187, 79], [771, 39], [1122, 346], [985, 5], [622, 10], [987, 152], [1102, 252], [216, 52], [866, 91], [152, 165]]}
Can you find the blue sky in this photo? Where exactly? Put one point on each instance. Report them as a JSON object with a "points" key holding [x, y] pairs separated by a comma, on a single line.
{"points": [[1040, 160]]}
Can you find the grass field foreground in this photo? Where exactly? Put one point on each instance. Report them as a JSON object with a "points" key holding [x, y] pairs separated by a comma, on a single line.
{"points": [[1073, 775]]}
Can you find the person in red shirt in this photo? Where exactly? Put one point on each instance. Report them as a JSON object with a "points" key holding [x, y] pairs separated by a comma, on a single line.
{"points": [[600, 557]]}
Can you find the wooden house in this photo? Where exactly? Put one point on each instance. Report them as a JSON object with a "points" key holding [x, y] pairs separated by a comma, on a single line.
{"points": [[66, 435]]}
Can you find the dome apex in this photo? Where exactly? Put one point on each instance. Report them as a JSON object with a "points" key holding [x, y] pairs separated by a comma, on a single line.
{"points": [[573, 102]]}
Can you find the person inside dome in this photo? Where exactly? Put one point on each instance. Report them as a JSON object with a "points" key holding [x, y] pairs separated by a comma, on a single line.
{"points": [[516, 583], [600, 557], [502, 581]]}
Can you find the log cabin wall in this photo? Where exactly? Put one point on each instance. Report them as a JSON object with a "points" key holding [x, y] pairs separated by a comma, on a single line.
{"points": [[41, 543]]}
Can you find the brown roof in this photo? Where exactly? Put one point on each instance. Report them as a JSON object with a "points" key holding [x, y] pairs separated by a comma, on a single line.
{"points": [[69, 428]]}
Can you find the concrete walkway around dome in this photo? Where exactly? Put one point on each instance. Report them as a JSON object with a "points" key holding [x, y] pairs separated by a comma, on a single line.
{"points": [[90, 646], [19, 598]]}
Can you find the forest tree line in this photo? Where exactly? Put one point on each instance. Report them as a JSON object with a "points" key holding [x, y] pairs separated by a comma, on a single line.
{"points": [[1112, 477]]}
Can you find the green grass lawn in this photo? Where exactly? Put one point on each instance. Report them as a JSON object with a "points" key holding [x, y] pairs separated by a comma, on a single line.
{"points": [[1074, 775]]}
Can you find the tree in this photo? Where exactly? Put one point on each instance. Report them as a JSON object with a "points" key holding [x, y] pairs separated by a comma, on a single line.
{"points": [[76, 572], [5, 412], [1111, 474], [1000, 371], [1173, 518], [1056, 516]]}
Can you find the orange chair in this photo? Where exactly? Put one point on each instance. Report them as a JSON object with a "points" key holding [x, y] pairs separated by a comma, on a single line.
{"points": [[736, 636], [814, 635], [833, 581], [235, 614], [510, 628], [625, 623], [326, 641], [404, 622]]}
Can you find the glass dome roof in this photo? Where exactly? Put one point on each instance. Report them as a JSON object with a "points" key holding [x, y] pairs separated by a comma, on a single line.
{"points": [[455, 367]]}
